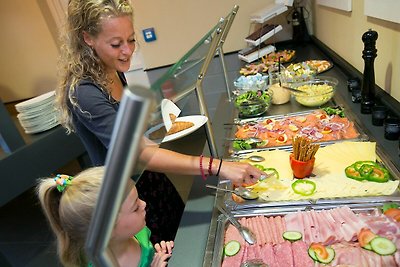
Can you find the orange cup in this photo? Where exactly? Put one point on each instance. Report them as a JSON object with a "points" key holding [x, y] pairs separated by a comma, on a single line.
{"points": [[301, 169]]}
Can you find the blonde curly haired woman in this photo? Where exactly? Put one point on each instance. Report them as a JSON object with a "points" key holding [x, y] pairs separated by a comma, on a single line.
{"points": [[98, 43]]}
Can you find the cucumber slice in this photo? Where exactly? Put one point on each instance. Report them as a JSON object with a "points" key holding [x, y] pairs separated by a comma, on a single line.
{"points": [[311, 253], [383, 246], [367, 247], [232, 248], [331, 256], [292, 235]]}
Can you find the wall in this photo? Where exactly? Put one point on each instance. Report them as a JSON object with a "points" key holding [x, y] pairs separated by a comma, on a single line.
{"points": [[180, 24], [342, 32], [28, 53]]}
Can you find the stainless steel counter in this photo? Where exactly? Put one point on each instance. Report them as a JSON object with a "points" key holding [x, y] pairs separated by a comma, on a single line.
{"points": [[195, 238]]}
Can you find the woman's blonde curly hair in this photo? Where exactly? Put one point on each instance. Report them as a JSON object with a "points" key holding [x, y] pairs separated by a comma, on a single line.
{"points": [[78, 61]]}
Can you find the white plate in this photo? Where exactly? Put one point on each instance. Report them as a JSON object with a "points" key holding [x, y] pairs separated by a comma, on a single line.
{"points": [[198, 121], [36, 100], [167, 107]]}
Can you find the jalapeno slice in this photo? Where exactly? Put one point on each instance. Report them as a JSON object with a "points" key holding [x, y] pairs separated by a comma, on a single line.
{"points": [[379, 175], [304, 187], [353, 173], [367, 170], [272, 172], [359, 164]]}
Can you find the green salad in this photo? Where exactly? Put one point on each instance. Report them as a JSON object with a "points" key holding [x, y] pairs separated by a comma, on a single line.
{"points": [[253, 103]]}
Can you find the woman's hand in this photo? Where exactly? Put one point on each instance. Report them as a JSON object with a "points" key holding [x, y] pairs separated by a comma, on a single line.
{"points": [[240, 173], [164, 246]]}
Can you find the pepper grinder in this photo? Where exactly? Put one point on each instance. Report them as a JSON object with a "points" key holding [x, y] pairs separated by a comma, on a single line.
{"points": [[368, 84]]}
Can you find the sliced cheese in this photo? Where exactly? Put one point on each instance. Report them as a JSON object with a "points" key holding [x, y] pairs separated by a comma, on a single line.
{"points": [[329, 178]]}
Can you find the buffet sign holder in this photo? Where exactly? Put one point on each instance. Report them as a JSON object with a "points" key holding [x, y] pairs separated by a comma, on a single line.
{"points": [[188, 73]]}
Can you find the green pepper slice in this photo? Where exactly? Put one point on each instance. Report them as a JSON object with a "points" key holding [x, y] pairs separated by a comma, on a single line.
{"points": [[353, 173], [366, 170], [272, 172], [378, 174], [304, 187], [359, 164]]}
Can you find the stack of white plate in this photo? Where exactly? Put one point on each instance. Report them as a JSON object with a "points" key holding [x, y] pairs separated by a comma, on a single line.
{"points": [[38, 114]]}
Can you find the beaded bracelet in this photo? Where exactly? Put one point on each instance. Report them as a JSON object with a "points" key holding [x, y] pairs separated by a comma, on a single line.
{"points": [[210, 166], [201, 168], [219, 167]]}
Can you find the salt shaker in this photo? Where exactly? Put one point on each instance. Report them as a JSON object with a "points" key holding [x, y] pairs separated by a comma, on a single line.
{"points": [[368, 84]]}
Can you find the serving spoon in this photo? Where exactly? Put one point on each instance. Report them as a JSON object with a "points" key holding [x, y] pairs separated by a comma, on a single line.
{"points": [[293, 89], [245, 232], [253, 158], [241, 192], [251, 139]]}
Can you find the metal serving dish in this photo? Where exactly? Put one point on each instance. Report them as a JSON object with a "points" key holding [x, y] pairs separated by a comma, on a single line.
{"points": [[369, 209], [361, 137], [382, 159]]}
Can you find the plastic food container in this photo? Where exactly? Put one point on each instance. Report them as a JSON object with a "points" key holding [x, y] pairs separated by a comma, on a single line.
{"points": [[253, 103], [250, 82], [317, 91]]}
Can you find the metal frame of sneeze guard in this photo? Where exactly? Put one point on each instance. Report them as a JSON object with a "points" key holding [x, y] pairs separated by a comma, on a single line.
{"points": [[229, 20], [199, 85], [214, 41], [136, 104]]}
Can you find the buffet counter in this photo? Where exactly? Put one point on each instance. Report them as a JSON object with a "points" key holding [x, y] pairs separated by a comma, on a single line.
{"points": [[195, 239]]}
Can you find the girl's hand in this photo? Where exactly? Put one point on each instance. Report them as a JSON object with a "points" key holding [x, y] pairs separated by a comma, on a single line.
{"points": [[164, 246], [240, 173], [160, 259]]}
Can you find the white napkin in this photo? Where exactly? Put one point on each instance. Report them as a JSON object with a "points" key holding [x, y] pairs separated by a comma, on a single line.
{"points": [[168, 107]]}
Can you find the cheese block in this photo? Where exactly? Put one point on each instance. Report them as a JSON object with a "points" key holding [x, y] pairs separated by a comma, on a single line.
{"points": [[328, 174]]}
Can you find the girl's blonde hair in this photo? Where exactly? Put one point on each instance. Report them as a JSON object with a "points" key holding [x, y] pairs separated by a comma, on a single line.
{"points": [[78, 61], [69, 212]]}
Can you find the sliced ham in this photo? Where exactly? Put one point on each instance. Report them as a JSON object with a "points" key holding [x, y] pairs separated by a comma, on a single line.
{"points": [[274, 230], [372, 259], [267, 230], [268, 256], [280, 228], [346, 229], [283, 254], [300, 255], [262, 238], [233, 234], [251, 253], [234, 261], [327, 232], [308, 231], [316, 226], [351, 219], [294, 222]]}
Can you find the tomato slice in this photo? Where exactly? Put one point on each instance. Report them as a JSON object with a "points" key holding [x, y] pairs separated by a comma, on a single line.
{"points": [[365, 236], [320, 250], [326, 130], [393, 213], [237, 198]]}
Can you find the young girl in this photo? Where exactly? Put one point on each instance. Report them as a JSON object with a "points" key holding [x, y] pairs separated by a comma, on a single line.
{"points": [[68, 203]]}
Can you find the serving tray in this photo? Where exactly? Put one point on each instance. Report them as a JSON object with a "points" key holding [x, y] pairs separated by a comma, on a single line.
{"points": [[362, 136], [382, 159], [269, 224]]}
